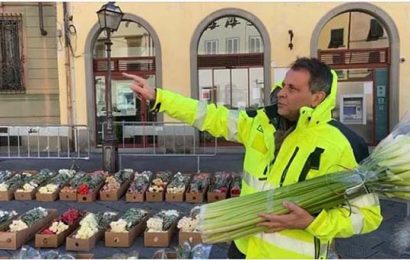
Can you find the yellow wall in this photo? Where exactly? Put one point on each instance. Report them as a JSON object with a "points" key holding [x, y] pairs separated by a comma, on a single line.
{"points": [[175, 24]]}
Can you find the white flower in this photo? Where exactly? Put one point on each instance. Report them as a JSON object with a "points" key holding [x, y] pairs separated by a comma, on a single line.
{"points": [[3, 186], [58, 227], [17, 225], [68, 172], [155, 224], [188, 224], [49, 188], [119, 226], [88, 228]]}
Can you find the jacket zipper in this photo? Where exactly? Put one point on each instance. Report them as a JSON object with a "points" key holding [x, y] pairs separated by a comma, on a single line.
{"points": [[285, 171]]}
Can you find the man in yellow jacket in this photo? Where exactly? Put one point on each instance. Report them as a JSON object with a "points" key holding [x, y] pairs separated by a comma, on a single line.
{"points": [[293, 139]]}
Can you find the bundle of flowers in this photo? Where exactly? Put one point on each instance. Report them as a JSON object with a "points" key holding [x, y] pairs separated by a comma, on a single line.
{"points": [[115, 181], [27, 219], [92, 223], [6, 216], [63, 222], [162, 178], [4, 175], [386, 171], [162, 220], [236, 184], [15, 181], [42, 177], [91, 181], [141, 182], [220, 182], [74, 183], [128, 220], [199, 182], [56, 182], [190, 223], [178, 183]]}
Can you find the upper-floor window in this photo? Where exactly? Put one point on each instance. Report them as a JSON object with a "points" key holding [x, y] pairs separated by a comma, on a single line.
{"points": [[232, 45], [336, 38], [11, 59], [211, 46], [255, 44]]}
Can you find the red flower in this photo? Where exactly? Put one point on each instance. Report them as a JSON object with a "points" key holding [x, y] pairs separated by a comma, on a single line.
{"points": [[83, 189], [47, 232], [70, 216]]}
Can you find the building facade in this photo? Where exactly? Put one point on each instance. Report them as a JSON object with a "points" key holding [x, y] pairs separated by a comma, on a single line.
{"points": [[223, 52]]}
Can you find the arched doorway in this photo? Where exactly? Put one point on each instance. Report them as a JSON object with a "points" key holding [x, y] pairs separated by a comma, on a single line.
{"points": [[360, 42], [135, 50], [230, 57]]}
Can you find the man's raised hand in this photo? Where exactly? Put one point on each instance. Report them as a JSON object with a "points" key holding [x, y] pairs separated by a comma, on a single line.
{"points": [[141, 87]]}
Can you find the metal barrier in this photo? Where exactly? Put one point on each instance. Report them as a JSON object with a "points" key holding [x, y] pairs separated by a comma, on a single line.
{"points": [[162, 139], [45, 142]]}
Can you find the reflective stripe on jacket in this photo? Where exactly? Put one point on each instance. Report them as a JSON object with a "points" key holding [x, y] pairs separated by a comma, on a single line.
{"points": [[318, 145]]}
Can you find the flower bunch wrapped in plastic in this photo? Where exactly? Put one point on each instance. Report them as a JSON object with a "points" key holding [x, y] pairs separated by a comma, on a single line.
{"points": [[140, 182], [128, 220], [6, 216], [190, 223], [386, 171], [56, 182], [92, 223], [236, 184], [114, 182], [74, 183], [220, 182], [4, 175], [15, 181], [162, 221], [162, 178], [199, 182], [27, 219], [178, 183], [63, 222], [91, 181], [42, 177]]}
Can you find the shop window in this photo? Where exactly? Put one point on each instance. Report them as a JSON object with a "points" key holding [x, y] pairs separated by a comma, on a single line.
{"points": [[232, 45]]}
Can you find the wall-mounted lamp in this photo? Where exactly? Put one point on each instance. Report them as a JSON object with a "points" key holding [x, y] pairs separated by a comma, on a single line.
{"points": [[290, 45]]}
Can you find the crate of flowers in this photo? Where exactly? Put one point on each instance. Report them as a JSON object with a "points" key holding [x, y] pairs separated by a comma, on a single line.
{"points": [[160, 228], [123, 232], [219, 186], [91, 229], [69, 191], [50, 191], [188, 228], [29, 188], [90, 185], [10, 182], [6, 217], [156, 191], [24, 227], [236, 185], [116, 185], [53, 235], [138, 187], [177, 187], [197, 188]]}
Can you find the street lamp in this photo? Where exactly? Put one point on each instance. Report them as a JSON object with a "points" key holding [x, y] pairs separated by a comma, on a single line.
{"points": [[109, 17]]}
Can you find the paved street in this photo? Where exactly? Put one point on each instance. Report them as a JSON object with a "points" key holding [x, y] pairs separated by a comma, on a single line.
{"points": [[375, 245]]}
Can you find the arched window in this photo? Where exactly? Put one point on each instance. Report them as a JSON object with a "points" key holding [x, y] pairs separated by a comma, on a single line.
{"points": [[133, 51], [231, 63]]}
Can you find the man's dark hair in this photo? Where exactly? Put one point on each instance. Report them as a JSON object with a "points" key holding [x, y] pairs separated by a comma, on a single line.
{"points": [[320, 75]]}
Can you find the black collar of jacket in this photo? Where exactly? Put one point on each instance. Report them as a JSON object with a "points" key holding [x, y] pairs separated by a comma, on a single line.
{"points": [[275, 119]]}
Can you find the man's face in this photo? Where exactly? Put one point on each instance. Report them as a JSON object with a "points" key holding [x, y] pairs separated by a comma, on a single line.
{"points": [[295, 93]]}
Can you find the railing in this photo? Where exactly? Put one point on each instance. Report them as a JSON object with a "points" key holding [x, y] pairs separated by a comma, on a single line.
{"points": [[162, 140], [45, 141]]}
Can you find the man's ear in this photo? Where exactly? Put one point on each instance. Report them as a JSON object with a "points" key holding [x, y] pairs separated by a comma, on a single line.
{"points": [[317, 98]]}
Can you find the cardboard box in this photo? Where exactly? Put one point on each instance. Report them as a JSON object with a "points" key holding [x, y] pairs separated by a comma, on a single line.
{"points": [[76, 244], [159, 239], [18, 195], [195, 197], [47, 196], [7, 195], [135, 196], [91, 196], [14, 240], [215, 196], [114, 195], [155, 196], [116, 239], [54, 241], [193, 238], [175, 197], [168, 255], [68, 196]]}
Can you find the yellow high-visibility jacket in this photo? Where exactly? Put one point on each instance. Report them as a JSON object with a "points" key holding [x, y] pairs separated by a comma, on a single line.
{"points": [[318, 145]]}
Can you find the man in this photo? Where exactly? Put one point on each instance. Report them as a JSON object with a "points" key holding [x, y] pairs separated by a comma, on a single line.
{"points": [[292, 140]]}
